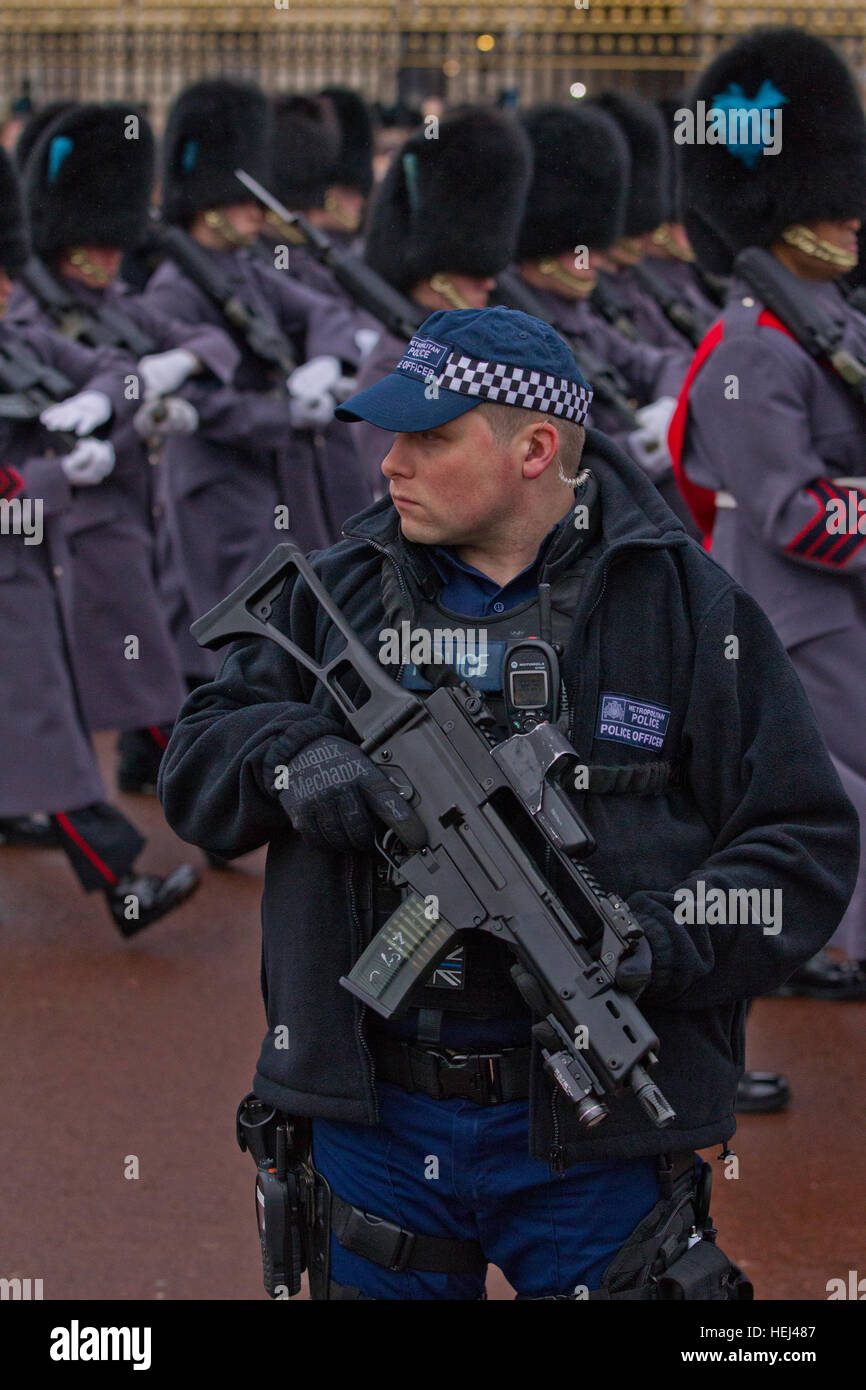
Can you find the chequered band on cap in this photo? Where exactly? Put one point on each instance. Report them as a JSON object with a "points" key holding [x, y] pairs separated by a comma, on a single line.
{"points": [[436, 365]]}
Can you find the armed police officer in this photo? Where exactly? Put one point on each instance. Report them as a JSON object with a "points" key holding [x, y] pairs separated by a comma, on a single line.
{"points": [[440, 1136]]}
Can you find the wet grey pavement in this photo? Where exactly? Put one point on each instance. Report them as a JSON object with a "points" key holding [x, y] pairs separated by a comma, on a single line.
{"points": [[117, 1051]]}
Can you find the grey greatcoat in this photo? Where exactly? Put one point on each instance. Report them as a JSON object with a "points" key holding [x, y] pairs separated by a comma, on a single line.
{"points": [[46, 763], [114, 541], [648, 318], [771, 429], [230, 483]]}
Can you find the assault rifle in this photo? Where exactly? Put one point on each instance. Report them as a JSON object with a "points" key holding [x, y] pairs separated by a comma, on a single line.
{"points": [[685, 319], [605, 299], [105, 325], [263, 339], [609, 388], [368, 289], [815, 329], [491, 811], [28, 386]]}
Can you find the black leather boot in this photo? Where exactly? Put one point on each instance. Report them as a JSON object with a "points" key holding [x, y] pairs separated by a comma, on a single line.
{"points": [[154, 897], [760, 1092]]}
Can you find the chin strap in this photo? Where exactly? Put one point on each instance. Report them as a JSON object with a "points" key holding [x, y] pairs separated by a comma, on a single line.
{"points": [[632, 246], [95, 273], [664, 238], [444, 285], [812, 245], [284, 229], [219, 223], [349, 221], [582, 288]]}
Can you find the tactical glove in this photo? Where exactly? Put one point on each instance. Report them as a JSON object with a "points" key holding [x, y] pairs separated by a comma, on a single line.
{"points": [[634, 971], [335, 797]]}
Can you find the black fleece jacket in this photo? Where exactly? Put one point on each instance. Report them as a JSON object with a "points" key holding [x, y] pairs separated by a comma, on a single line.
{"points": [[758, 804]]}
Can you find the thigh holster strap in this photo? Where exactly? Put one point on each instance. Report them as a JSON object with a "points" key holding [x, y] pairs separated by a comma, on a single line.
{"points": [[392, 1247]]}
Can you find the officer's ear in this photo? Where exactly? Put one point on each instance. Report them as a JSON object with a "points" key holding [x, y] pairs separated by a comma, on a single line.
{"points": [[539, 446]]}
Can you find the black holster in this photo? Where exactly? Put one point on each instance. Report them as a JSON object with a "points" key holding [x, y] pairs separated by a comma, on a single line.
{"points": [[285, 1191], [672, 1253]]}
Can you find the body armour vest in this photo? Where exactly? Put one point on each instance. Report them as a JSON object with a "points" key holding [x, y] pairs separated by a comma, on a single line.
{"points": [[473, 981]]}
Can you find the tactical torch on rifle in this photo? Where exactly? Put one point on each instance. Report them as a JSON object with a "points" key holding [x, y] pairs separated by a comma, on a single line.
{"points": [[814, 327], [491, 813], [399, 315]]}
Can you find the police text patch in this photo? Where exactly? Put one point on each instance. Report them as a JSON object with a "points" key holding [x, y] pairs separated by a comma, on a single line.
{"points": [[422, 358], [624, 720]]}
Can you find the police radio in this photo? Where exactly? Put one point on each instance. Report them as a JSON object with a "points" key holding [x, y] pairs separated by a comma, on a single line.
{"points": [[530, 684]]}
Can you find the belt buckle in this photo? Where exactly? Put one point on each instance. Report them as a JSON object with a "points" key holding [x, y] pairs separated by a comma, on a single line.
{"points": [[366, 1235], [489, 1079]]}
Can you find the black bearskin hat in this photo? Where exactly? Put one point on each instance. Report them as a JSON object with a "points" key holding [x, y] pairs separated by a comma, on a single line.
{"points": [[747, 198], [453, 203], [643, 127], [38, 122], [306, 146], [354, 167], [14, 244], [88, 179], [667, 108], [213, 128], [579, 183]]}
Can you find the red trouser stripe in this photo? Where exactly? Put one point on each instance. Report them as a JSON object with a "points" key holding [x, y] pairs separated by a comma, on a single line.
{"points": [[157, 735], [98, 864]]}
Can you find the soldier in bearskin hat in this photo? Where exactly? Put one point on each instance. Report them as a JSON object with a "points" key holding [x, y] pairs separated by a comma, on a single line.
{"points": [[649, 160], [575, 211], [87, 185], [667, 246], [48, 764], [351, 179], [443, 223], [259, 448], [769, 442]]}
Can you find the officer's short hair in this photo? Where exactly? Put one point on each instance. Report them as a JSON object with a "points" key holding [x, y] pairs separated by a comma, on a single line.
{"points": [[506, 420]]}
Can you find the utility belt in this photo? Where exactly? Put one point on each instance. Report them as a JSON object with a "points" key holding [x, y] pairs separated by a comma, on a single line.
{"points": [[671, 1255], [487, 1078]]}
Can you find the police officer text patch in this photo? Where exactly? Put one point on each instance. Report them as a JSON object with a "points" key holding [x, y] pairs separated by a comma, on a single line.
{"points": [[422, 358], [637, 722]]}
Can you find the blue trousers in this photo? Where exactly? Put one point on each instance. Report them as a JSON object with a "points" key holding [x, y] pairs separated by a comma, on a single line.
{"points": [[451, 1168]]}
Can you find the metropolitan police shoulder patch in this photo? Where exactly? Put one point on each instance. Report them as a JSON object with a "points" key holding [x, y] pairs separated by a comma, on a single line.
{"points": [[641, 723]]}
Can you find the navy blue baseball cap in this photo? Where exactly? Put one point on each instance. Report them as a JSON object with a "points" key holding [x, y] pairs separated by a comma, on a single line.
{"points": [[460, 358]]}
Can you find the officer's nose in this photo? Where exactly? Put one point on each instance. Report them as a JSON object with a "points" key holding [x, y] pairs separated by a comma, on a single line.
{"points": [[396, 463]]}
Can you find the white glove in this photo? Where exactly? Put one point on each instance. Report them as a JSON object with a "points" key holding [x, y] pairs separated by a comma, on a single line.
{"points": [[657, 416], [365, 340], [89, 462], [312, 389], [165, 415], [648, 445], [81, 413], [164, 372]]}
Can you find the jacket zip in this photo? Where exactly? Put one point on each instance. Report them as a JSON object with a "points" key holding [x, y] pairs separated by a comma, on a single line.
{"points": [[359, 1025]]}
